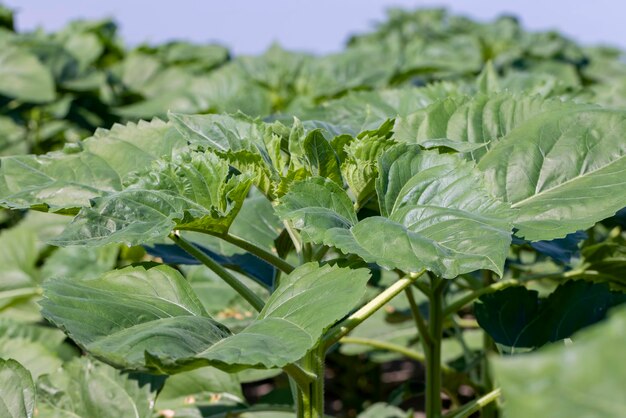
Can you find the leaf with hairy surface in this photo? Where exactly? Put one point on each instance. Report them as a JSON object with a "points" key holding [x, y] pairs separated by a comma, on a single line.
{"points": [[192, 192], [65, 180]]}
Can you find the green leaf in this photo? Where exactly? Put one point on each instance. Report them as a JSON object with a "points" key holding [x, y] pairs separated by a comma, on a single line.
{"points": [[517, 319], [316, 207], [85, 389], [97, 166], [558, 163], [320, 156], [436, 214], [80, 262], [360, 165], [201, 387], [36, 356], [238, 139], [553, 380], [562, 170], [150, 319], [191, 191], [12, 137], [126, 312], [336, 73], [17, 390], [221, 132], [23, 77], [605, 261], [481, 120], [359, 111]]}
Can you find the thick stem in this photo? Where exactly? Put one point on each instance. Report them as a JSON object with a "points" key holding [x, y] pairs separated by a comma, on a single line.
{"points": [[344, 327], [311, 403], [252, 298], [433, 353], [273, 259], [490, 410]]}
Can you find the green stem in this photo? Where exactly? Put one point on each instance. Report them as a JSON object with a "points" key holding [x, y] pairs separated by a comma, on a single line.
{"points": [[252, 298], [259, 252], [344, 327], [433, 352], [490, 410], [417, 317], [295, 237], [311, 403], [383, 345], [321, 252], [476, 405]]}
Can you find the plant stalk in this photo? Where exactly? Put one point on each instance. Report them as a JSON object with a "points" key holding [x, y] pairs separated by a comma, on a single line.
{"points": [[490, 410], [344, 327], [264, 255], [311, 403], [433, 350], [417, 317], [252, 298]]}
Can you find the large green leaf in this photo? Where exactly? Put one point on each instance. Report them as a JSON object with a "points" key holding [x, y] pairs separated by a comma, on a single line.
{"points": [[191, 191], [17, 390], [150, 319], [23, 77], [436, 214], [99, 165], [558, 163], [563, 170], [582, 379], [483, 119], [517, 319], [84, 388]]}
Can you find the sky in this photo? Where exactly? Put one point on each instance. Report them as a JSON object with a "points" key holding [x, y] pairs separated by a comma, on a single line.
{"points": [[319, 26]]}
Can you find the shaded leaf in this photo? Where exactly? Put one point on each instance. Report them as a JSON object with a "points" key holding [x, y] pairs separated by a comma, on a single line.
{"points": [[517, 318], [552, 379]]}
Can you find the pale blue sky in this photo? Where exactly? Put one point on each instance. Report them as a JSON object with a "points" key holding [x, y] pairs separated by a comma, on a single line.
{"points": [[321, 26]]}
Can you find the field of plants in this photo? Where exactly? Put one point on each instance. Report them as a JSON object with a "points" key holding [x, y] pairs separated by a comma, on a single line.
{"points": [[429, 223]]}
